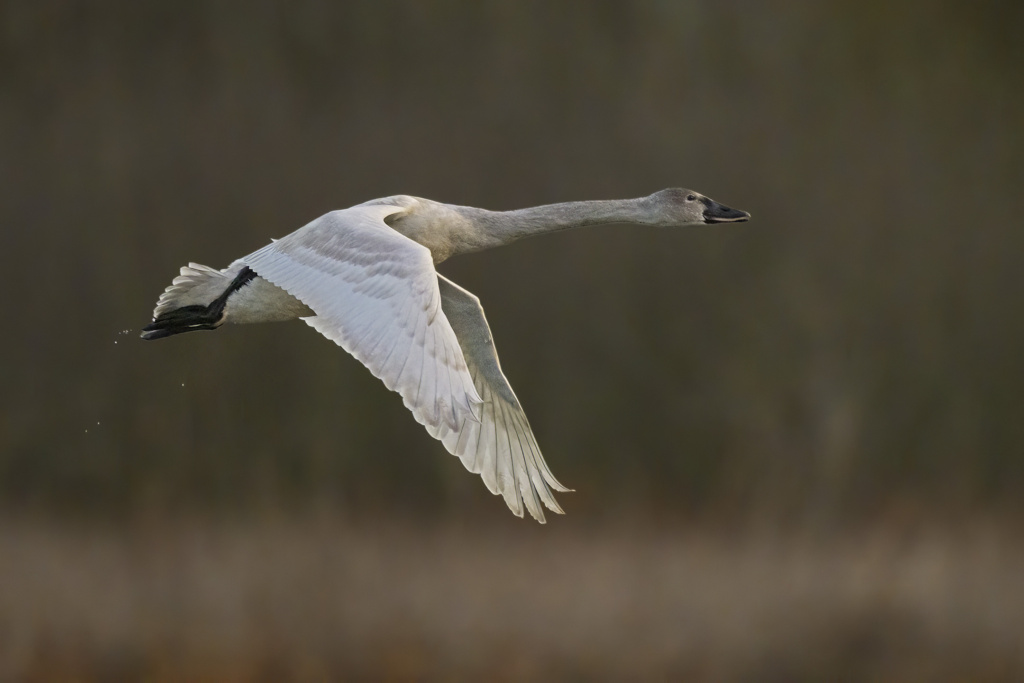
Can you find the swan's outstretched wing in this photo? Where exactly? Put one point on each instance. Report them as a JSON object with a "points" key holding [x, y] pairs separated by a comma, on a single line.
{"points": [[375, 294], [500, 446]]}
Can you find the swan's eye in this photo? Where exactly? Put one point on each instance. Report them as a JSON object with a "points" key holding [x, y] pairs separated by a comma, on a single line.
{"points": [[691, 198]]}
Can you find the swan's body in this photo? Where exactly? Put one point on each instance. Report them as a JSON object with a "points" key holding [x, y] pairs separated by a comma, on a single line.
{"points": [[364, 277]]}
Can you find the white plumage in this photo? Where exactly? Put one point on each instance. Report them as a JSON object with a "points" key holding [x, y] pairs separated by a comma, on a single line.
{"points": [[364, 277]]}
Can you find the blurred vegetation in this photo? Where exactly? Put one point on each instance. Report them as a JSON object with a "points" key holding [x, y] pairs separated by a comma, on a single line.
{"points": [[314, 599], [854, 348]]}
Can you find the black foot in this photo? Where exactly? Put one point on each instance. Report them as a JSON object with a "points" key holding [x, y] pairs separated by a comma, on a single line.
{"points": [[196, 317], [184, 319]]}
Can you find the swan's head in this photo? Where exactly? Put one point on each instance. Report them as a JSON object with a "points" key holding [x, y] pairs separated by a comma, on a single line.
{"points": [[677, 207]]}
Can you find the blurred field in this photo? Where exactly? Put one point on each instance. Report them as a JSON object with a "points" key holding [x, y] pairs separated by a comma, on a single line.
{"points": [[318, 598]]}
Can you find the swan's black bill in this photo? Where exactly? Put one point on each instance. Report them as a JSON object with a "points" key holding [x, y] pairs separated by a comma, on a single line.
{"points": [[717, 213]]}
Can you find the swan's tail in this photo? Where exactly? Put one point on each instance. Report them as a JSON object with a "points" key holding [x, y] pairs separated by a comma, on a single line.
{"points": [[195, 300]]}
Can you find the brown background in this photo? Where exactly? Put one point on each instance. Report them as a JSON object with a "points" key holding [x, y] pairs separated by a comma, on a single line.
{"points": [[811, 424]]}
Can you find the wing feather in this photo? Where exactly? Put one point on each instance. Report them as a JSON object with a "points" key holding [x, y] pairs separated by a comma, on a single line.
{"points": [[485, 440], [447, 385], [375, 290], [522, 474], [529, 474], [427, 393], [506, 470], [376, 294], [501, 447]]}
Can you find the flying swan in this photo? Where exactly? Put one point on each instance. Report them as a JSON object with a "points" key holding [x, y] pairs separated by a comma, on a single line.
{"points": [[364, 277]]}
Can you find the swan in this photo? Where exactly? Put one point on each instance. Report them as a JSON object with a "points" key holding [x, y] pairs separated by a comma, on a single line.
{"points": [[365, 278]]}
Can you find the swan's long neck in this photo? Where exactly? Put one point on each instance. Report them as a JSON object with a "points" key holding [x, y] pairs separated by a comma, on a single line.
{"points": [[496, 228]]}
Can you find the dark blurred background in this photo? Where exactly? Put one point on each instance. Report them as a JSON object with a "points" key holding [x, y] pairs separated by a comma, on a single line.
{"points": [[844, 370]]}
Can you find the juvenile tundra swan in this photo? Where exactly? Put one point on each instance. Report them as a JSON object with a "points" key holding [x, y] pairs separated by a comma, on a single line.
{"points": [[364, 278]]}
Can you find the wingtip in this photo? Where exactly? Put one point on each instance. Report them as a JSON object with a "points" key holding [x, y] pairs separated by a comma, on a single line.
{"points": [[554, 506]]}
